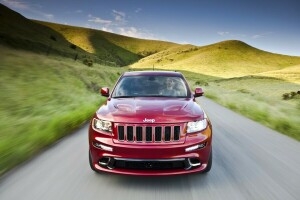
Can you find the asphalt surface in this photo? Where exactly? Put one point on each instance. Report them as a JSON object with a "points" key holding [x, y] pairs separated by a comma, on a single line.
{"points": [[250, 161]]}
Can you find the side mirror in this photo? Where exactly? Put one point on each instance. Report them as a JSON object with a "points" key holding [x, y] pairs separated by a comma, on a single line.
{"points": [[104, 91], [198, 92]]}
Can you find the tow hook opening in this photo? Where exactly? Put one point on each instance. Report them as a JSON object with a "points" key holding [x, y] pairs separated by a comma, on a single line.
{"points": [[107, 162], [192, 162]]}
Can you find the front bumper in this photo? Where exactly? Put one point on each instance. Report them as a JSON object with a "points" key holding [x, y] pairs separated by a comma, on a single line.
{"points": [[151, 156]]}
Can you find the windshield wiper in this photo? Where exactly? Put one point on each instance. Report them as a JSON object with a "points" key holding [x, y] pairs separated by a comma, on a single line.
{"points": [[166, 96], [124, 96], [156, 96], [150, 96]]}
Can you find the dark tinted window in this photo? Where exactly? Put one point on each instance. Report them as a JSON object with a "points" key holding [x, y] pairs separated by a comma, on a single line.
{"points": [[143, 86]]}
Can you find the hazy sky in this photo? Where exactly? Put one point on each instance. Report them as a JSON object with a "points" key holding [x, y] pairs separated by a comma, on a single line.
{"points": [[271, 25]]}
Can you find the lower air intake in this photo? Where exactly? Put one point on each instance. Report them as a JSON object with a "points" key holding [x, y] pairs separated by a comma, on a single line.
{"points": [[149, 164]]}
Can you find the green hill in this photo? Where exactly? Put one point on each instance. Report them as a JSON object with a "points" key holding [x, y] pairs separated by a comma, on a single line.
{"points": [[48, 38], [20, 33], [289, 74], [109, 46], [224, 59]]}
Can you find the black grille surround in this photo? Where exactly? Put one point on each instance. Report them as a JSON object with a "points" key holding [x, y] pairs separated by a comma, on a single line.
{"points": [[149, 133]]}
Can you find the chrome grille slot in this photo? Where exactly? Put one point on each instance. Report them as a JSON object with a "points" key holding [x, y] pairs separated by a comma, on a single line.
{"points": [[176, 132], [130, 133], [149, 134], [121, 134], [167, 133], [157, 134], [139, 134]]}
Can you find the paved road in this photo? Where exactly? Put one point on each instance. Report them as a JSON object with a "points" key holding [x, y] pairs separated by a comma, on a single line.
{"points": [[250, 162]]}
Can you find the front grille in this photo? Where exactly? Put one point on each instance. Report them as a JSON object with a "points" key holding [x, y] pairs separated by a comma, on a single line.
{"points": [[149, 134], [149, 165]]}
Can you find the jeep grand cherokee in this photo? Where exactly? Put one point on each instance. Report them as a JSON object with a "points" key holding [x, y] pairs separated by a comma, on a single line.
{"points": [[150, 124]]}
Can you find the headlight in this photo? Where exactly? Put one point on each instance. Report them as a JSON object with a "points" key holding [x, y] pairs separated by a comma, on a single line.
{"points": [[102, 125], [196, 126]]}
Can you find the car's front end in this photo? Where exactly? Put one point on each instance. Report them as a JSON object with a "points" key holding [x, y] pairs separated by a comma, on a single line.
{"points": [[150, 136]]}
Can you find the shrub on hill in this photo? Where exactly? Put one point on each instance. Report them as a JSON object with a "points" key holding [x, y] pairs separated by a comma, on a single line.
{"points": [[291, 95]]}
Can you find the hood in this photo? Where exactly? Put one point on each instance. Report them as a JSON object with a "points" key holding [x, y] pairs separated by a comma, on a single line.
{"points": [[150, 110]]}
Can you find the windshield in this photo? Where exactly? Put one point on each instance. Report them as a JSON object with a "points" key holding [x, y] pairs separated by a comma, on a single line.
{"points": [[151, 86]]}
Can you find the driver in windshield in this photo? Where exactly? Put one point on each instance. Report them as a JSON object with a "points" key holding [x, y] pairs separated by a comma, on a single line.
{"points": [[169, 87]]}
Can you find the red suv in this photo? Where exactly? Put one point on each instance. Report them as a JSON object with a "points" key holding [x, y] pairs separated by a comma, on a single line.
{"points": [[150, 124]]}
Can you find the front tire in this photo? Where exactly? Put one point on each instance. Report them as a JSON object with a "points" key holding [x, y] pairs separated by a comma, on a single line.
{"points": [[91, 162], [209, 164]]}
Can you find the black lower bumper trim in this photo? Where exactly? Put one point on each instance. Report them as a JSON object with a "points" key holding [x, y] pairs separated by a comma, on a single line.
{"points": [[149, 165]]}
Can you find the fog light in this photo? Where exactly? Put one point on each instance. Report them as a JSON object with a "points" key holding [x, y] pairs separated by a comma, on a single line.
{"points": [[198, 146], [101, 146]]}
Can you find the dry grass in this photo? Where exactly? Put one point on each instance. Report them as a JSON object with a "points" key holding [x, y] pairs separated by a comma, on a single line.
{"points": [[225, 60]]}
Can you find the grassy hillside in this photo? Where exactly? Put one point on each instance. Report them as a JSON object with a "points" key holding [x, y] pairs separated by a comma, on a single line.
{"points": [[20, 33], [289, 74], [261, 99], [43, 98], [109, 46], [224, 59], [48, 38]]}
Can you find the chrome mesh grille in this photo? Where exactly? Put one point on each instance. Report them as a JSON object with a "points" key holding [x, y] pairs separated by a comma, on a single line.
{"points": [[149, 134]]}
